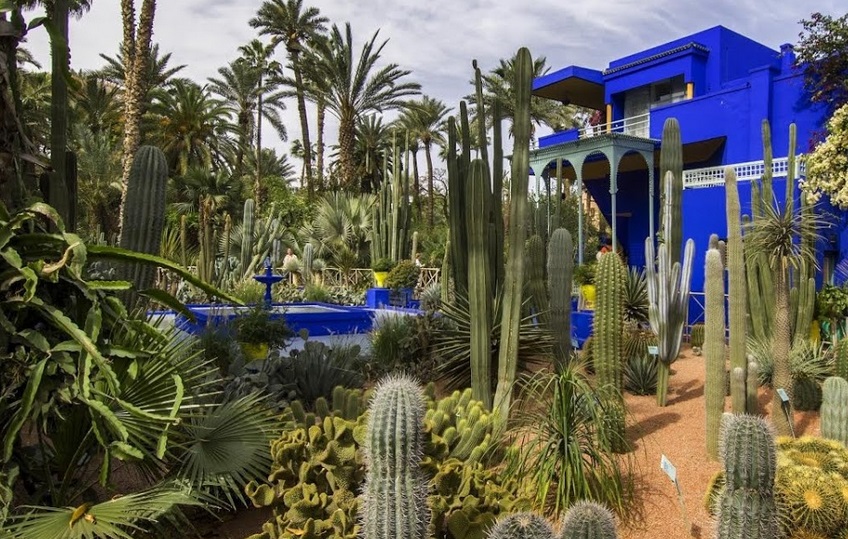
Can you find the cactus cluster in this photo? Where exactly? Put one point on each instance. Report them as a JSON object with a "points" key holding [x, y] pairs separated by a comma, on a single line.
{"points": [[560, 281], [736, 290], [583, 520], [747, 505], [696, 337], [392, 215]]}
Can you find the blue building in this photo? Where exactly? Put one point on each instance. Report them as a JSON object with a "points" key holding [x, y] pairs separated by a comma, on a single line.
{"points": [[720, 86]]}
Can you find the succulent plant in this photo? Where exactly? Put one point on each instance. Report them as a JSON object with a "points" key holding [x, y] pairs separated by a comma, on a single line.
{"points": [[522, 526], [588, 520], [834, 409]]}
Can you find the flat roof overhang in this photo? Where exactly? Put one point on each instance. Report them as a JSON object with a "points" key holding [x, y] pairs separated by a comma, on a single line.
{"points": [[573, 85]]}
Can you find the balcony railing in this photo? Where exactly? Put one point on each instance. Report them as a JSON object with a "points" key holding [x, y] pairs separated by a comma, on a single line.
{"points": [[637, 126], [752, 170]]}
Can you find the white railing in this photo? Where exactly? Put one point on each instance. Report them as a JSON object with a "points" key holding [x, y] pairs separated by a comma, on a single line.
{"points": [[745, 172], [637, 126]]}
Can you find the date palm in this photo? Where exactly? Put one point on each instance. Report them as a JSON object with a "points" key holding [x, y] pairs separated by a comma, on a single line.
{"points": [[428, 116], [357, 87], [269, 100], [190, 126], [290, 23], [373, 143], [98, 177], [158, 73], [95, 104]]}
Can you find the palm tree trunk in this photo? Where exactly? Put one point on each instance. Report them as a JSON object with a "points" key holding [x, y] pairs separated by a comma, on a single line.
{"points": [[136, 55], [322, 108], [58, 195], [347, 136], [304, 123], [780, 350], [430, 194], [258, 195], [13, 142]]}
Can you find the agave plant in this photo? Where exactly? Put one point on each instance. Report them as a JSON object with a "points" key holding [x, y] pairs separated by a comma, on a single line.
{"points": [[636, 297]]}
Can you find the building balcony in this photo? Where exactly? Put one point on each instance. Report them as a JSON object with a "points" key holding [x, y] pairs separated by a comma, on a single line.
{"points": [[635, 126]]}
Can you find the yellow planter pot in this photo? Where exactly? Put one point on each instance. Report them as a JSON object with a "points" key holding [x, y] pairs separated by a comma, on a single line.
{"points": [[380, 277], [587, 297], [254, 351]]}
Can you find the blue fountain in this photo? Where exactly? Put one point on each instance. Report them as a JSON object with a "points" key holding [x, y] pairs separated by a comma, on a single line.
{"points": [[268, 279]]}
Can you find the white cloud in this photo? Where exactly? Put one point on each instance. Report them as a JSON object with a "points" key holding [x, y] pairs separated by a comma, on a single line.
{"points": [[437, 39]]}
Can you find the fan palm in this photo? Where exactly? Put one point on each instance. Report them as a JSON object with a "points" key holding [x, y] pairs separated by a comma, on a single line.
{"points": [[342, 224], [287, 21], [190, 126], [358, 87]]}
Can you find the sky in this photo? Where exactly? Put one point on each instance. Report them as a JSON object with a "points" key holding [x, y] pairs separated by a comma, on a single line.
{"points": [[437, 39]]}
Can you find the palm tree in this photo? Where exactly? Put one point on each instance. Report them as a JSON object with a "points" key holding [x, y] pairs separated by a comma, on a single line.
{"points": [[428, 124], [358, 88], [497, 84], [95, 104], [220, 190], [237, 88], [191, 127], [158, 73], [35, 107], [98, 177], [288, 22], [373, 144], [257, 55]]}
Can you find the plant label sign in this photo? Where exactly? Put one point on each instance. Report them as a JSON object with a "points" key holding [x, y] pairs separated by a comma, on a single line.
{"points": [[668, 468], [654, 350], [783, 396]]}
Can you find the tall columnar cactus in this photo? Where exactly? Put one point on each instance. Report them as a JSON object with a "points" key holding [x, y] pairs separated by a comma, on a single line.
{"points": [[736, 289], [752, 386], [536, 290], [308, 254], [445, 274], [608, 344], [841, 359], [479, 282], [714, 349], [248, 224], [183, 241], [834, 409], [456, 165], [206, 240], [144, 212], [671, 161], [588, 520], [521, 526], [394, 498], [414, 251], [747, 506], [514, 276], [560, 281], [668, 305]]}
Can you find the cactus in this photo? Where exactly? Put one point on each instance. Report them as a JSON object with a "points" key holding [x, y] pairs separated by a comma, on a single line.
{"points": [[609, 337], [206, 256], [183, 241], [144, 213], [736, 292], [714, 349], [811, 499], [514, 276], [806, 394], [752, 385], [696, 336], [840, 352], [445, 274], [671, 162], [738, 396], [456, 200], [834, 409], [536, 290], [521, 526], [391, 216], [560, 281], [668, 296], [248, 224], [394, 496], [414, 251], [308, 253], [747, 507], [479, 284], [588, 520]]}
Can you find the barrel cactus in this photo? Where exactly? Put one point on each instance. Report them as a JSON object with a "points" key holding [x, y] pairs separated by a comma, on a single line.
{"points": [[394, 499], [522, 526], [588, 520]]}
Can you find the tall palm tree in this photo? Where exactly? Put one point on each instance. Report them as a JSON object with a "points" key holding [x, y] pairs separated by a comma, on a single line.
{"points": [[257, 56], [158, 73], [95, 103], [34, 88], [236, 87], [373, 143], [191, 127], [357, 88], [220, 190], [288, 22], [98, 177], [428, 117]]}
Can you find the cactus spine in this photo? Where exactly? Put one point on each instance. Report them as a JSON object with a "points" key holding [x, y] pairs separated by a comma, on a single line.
{"points": [[668, 298], [747, 505], [247, 227], [144, 212], [834, 409], [536, 290], [736, 292], [714, 349], [560, 280], [521, 526], [479, 285], [514, 275], [588, 520], [394, 495]]}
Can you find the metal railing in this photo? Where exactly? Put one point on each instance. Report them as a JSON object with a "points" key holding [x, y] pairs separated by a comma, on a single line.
{"points": [[751, 170], [637, 126]]}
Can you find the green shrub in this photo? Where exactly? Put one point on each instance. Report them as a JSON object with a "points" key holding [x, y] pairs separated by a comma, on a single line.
{"points": [[259, 325], [382, 264], [806, 361], [316, 292], [585, 273], [218, 346], [403, 275], [250, 291]]}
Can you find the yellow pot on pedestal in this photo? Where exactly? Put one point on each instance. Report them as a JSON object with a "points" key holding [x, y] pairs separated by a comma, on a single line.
{"points": [[380, 278], [254, 351], [587, 297]]}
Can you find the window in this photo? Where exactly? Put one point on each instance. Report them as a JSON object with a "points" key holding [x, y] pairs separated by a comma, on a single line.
{"points": [[668, 91]]}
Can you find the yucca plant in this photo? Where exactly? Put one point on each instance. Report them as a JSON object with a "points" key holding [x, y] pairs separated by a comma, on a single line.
{"points": [[560, 457], [807, 360]]}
